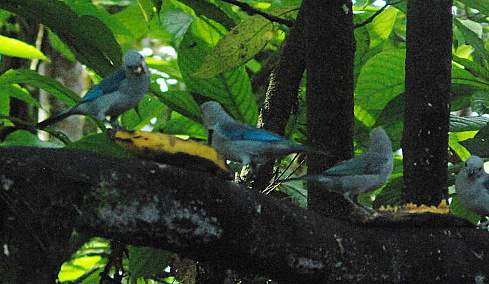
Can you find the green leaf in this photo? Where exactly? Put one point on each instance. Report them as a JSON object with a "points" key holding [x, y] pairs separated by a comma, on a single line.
{"points": [[382, 25], [25, 138], [169, 67], [232, 88], [176, 21], [19, 93], [479, 145], [83, 7], [238, 46], [457, 209], [472, 123], [92, 42], [99, 143], [381, 80], [211, 11], [473, 39], [456, 147], [147, 262], [17, 48], [148, 108], [4, 102], [180, 125], [179, 101], [60, 46], [481, 5], [30, 77]]}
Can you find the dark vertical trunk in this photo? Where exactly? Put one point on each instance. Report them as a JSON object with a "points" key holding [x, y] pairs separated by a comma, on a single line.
{"points": [[428, 66], [329, 49], [282, 91]]}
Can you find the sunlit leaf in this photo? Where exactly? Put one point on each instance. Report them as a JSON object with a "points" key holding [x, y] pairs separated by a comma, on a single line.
{"points": [[232, 88], [237, 47], [17, 48], [92, 42]]}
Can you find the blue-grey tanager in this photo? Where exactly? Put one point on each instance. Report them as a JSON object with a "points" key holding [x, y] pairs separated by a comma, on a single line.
{"points": [[472, 186], [114, 95], [363, 173], [243, 143]]}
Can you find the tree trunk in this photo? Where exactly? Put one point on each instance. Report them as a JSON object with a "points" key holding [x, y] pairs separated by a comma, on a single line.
{"points": [[428, 67], [329, 49], [282, 92]]}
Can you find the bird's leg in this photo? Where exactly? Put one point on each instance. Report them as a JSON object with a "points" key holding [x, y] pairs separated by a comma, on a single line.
{"points": [[360, 210]]}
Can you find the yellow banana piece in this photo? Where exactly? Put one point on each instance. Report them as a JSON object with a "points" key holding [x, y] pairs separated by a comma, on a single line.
{"points": [[170, 149]]}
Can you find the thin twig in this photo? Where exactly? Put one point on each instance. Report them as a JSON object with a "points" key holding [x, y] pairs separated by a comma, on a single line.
{"points": [[378, 12], [252, 11]]}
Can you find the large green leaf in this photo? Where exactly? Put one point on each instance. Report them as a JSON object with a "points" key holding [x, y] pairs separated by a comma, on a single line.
{"points": [[381, 80], [238, 46], [90, 40], [211, 11], [17, 48], [83, 7], [232, 88], [147, 262], [473, 39], [180, 125], [457, 209], [30, 77], [481, 5], [479, 145], [381, 27], [458, 124], [180, 101]]}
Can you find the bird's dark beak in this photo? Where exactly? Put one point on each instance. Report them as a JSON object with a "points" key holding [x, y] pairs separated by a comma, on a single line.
{"points": [[138, 69]]}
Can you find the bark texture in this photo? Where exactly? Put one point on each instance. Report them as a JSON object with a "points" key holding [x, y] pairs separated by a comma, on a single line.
{"points": [[329, 49], [282, 92], [46, 193], [426, 116]]}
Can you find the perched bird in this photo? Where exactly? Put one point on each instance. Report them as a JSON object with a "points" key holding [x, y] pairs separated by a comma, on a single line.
{"points": [[472, 186], [359, 174], [114, 95], [243, 143]]}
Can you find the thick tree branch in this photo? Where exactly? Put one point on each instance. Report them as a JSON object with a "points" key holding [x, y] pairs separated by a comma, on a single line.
{"points": [[252, 11], [206, 218]]}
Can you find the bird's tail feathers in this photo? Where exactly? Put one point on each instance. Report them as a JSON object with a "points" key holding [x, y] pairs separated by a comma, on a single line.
{"points": [[53, 119], [311, 150], [307, 178]]}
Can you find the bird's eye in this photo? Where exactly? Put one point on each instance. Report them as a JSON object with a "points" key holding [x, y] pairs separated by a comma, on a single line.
{"points": [[465, 163]]}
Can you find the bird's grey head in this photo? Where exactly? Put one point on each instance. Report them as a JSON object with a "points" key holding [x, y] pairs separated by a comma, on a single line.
{"points": [[213, 113], [380, 141], [134, 63], [474, 167]]}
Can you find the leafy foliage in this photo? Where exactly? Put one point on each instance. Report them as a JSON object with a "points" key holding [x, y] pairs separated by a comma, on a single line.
{"points": [[201, 50]]}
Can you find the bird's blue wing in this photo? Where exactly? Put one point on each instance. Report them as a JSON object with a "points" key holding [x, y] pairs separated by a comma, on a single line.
{"points": [[355, 166], [485, 182], [107, 85], [246, 132]]}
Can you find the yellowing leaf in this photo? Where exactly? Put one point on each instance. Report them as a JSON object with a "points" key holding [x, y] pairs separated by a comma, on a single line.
{"points": [[169, 149], [17, 48], [239, 45]]}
